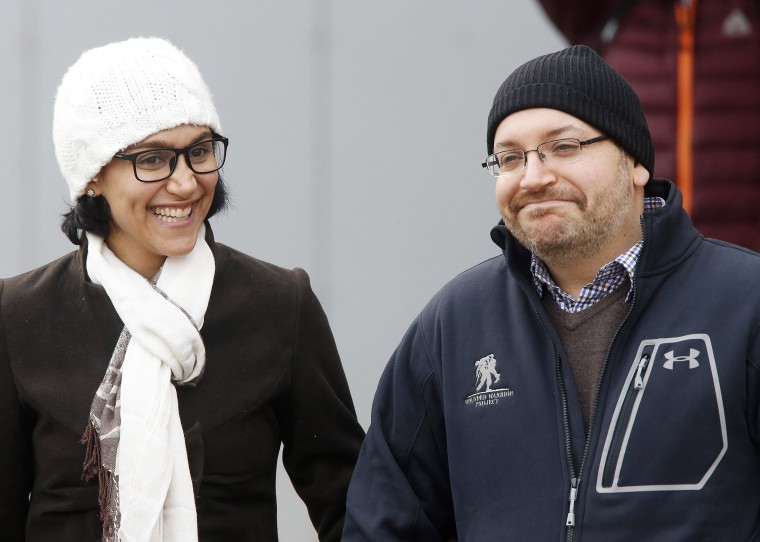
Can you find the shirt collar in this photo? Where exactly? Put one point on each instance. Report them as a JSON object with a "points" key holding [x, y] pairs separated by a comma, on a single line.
{"points": [[607, 280]]}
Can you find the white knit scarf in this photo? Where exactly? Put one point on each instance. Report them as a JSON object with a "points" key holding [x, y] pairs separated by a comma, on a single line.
{"points": [[151, 499]]}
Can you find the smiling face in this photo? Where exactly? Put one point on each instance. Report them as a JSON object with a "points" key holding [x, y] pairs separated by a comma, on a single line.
{"points": [[567, 213], [150, 221]]}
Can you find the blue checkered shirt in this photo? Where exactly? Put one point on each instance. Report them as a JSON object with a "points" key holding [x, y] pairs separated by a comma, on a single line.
{"points": [[607, 279]]}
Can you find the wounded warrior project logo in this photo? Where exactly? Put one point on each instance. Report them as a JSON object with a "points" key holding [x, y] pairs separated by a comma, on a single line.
{"points": [[487, 376]]}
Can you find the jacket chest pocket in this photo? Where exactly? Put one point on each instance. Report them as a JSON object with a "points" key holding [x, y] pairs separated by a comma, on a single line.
{"points": [[668, 429]]}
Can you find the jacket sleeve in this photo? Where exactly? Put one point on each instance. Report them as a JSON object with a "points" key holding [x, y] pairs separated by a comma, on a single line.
{"points": [[400, 490], [15, 450], [321, 435], [580, 21]]}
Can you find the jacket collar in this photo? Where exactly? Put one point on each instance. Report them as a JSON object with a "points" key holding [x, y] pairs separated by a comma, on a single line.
{"points": [[669, 235]]}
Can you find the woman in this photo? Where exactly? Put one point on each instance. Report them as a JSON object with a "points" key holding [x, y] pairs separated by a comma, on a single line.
{"points": [[180, 363]]}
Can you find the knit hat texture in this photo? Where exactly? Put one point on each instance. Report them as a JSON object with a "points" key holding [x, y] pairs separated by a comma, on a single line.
{"points": [[117, 95], [577, 81]]}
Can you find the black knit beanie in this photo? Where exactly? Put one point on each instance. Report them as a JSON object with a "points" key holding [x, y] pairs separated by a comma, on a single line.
{"points": [[579, 82]]}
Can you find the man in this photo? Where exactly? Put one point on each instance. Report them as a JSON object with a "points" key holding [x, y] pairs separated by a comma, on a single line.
{"points": [[627, 347]]}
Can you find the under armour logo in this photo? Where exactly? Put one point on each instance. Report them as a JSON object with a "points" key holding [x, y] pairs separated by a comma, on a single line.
{"points": [[691, 358]]}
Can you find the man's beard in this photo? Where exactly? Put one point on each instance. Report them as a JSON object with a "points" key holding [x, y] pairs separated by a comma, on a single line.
{"points": [[572, 240]]}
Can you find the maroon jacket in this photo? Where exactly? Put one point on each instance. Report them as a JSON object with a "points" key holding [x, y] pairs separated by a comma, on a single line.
{"points": [[726, 133]]}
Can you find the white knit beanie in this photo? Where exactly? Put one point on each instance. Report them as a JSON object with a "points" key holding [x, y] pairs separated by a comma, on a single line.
{"points": [[117, 95]]}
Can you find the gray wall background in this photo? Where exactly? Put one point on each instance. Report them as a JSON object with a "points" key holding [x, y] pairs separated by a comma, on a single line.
{"points": [[357, 130]]}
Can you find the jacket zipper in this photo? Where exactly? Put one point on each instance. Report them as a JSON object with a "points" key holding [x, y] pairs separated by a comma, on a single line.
{"points": [[686, 16], [574, 480], [625, 414], [576, 477], [638, 381], [570, 522]]}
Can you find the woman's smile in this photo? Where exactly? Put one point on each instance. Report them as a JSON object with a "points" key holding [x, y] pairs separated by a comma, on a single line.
{"points": [[173, 215]]}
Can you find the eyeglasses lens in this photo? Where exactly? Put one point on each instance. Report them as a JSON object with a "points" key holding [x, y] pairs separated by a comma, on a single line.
{"points": [[158, 164]]}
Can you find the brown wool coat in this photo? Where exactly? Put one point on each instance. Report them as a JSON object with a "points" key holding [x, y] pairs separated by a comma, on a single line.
{"points": [[272, 376]]}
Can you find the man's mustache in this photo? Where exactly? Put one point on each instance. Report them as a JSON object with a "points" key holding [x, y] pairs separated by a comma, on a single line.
{"points": [[558, 194]]}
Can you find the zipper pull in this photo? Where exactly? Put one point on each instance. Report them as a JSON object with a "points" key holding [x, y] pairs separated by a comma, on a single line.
{"points": [[574, 482], [638, 382]]}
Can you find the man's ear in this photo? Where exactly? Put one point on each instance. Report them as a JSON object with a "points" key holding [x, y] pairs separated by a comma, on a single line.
{"points": [[640, 174]]}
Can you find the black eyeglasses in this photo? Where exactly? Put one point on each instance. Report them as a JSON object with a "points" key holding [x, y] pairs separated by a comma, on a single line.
{"points": [[158, 164], [559, 151]]}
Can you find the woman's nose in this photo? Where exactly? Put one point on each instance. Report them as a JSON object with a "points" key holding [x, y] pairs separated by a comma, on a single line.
{"points": [[182, 181]]}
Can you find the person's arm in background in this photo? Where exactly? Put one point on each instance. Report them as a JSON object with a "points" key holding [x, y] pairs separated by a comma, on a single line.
{"points": [[16, 457], [321, 435]]}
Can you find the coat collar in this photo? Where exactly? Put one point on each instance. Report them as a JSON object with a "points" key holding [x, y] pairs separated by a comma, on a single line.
{"points": [[669, 235]]}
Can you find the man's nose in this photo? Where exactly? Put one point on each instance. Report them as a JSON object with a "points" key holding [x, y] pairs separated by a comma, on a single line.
{"points": [[536, 174]]}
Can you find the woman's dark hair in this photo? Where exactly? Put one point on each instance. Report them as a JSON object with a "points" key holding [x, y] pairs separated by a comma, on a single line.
{"points": [[93, 214]]}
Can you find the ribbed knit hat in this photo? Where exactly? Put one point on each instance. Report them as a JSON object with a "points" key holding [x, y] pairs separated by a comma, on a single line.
{"points": [[117, 95], [579, 82]]}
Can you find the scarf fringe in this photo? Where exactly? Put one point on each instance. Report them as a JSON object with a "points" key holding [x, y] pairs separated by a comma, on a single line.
{"points": [[108, 487], [92, 461]]}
